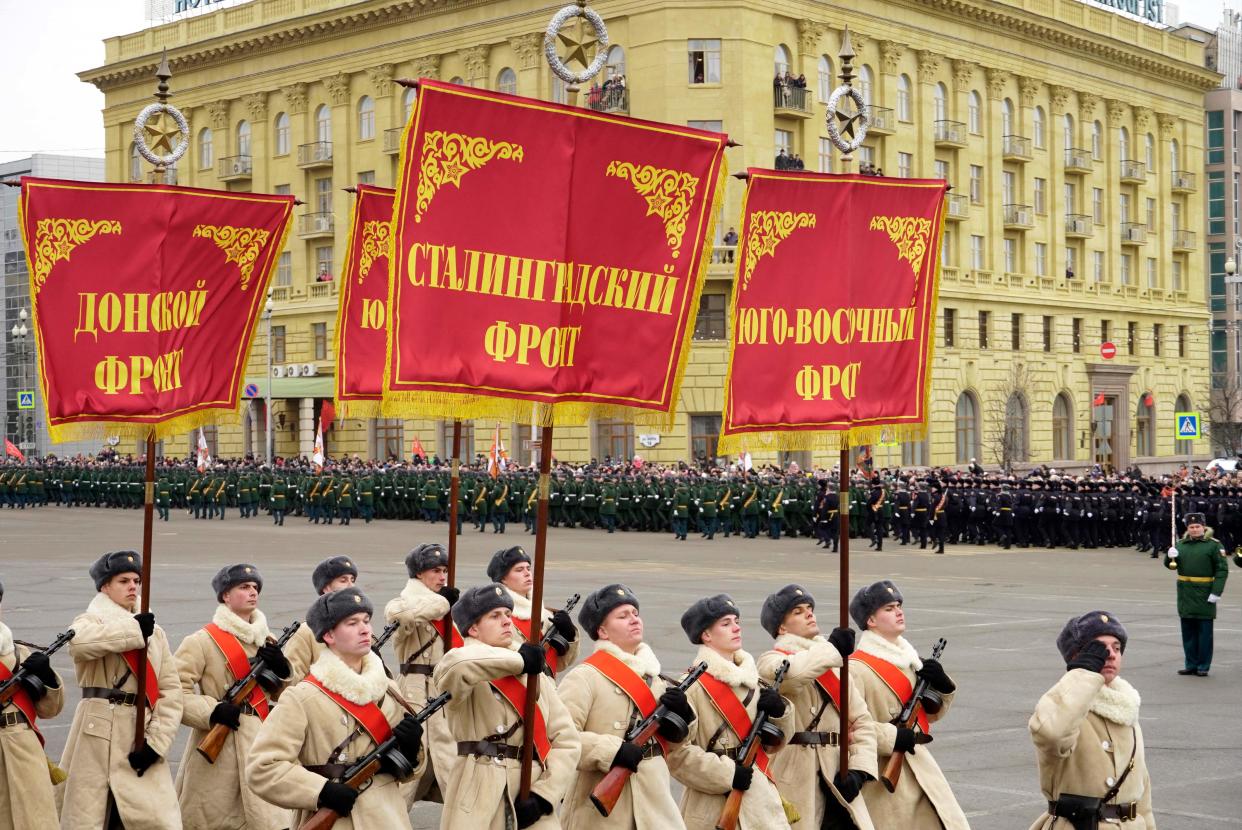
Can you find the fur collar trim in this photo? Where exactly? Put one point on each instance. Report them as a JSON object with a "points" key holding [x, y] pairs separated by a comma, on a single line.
{"points": [[367, 687], [901, 654], [103, 606], [521, 606], [643, 662], [1118, 702], [741, 672], [6, 641], [254, 633], [416, 591], [796, 644]]}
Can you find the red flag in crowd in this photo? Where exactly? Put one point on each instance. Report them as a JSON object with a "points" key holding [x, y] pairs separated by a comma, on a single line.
{"points": [[11, 449]]}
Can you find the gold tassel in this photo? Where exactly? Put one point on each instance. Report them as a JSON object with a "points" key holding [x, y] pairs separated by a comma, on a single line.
{"points": [[58, 775], [791, 811]]}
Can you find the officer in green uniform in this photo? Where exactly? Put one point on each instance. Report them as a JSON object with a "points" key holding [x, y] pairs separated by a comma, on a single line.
{"points": [[499, 507], [608, 504], [681, 511], [750, 508], [327, 501], [1202, 567], [163, 498], [277, 499], [709, 510], [345, 500], [775, 497], [366, 498]]}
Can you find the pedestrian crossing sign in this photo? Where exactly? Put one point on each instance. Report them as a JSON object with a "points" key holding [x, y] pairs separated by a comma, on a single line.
{"points": [[1187, 425], [25, 399]]}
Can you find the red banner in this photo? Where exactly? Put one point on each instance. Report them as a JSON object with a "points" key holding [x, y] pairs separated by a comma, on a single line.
{"points": [[833, 309], [362, 321], [545, 254], [145, 301]]}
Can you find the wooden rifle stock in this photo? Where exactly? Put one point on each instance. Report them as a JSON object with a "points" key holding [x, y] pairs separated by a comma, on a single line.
{"points": [[909, 718], [324, 818], [750, 750]]}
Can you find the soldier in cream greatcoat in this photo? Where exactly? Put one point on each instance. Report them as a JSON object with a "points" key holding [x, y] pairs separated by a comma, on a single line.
{"points": [[483, 676], [807, 769], [332, 574], [603, 713], [511, 568], [213, 796], [99, 757], [1086, 731]]}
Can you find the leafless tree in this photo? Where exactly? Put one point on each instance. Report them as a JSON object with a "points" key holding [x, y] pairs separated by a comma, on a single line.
{"points": [[1225, 419], [1006, 433]]}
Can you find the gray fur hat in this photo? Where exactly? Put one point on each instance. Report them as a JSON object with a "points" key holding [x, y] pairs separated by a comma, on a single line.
{"points": [[231, 575], [1081, 630], [778, 605], [425, 557], [112, 564], [477, 601], [871, 599], [704, 613], [330, 569], [334, 606], [1, 592], [504, 560], [599, 604]]}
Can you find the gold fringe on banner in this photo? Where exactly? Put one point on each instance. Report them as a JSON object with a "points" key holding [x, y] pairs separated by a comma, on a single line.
{"points": [[139, 430]]}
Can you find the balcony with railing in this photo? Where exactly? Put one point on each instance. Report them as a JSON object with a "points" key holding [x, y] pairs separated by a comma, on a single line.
{"points": [[613, 98], [234, 168], [392, 140], [1183, 181], [1133, 172], [322, 290], [315, 154], [1019, 217], [1078, 226], [950, 133], [880, 120], [958, 208], [1078, 160], [1016, 148], [1183, 240], [169, 176], [1133, 233], [312, 225], [792, 100]]}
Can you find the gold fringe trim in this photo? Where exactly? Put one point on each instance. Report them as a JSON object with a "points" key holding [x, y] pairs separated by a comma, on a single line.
{"points": [[358, 409], [177, 426]]}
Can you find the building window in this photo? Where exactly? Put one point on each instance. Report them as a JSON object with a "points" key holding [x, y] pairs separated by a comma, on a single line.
{"points": [[282, 135], [466, 446], [864, 83], [1153, 273], [966, 421], [1097, 141], [1015, 332], [614, 67], [1220, 353], [1216, 276], [974, 113], [323, 123], [950, 327], [1040, 196], [323, 263], [614, 440], [389, 439], [506, 81], [976, 184], [866, 155], [407, 104], [1071, 262], [903, 98], [1071, 198], [1125, 268], [319, 336], [781, 59], [1097, 258], [1216, 202], [826, 84], [1123, 207], [1183, 447], [1076, 334], [704, 435], [1181, 341], [1062, 428], [278, 344], [1006, 117], [984, 317], [1145, 423], [282, 189], [1216, 137], [914, 453], [1097, 205], [704, 61], [243, 138], [1175, 155], [366, 177], [1009, 188], [784, 143], [1041, 258], [1132, 338], [942, 169], [323, 195], [1017, 417], [1067, 131], [825, 155], [1039, 128], [1010, 249], [1149, 153], [206, 157], [976, 252], [1177, 274], [905, 161], [1048, 329], [946, 250], [711, 322], [284, 269], [1106, 329], [1151, 215], [1123, 143], [1157, 334], [940, 96], [366, 118]]}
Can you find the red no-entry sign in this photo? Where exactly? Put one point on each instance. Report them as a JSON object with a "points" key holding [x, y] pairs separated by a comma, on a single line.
{"points": [[1108, 350]]}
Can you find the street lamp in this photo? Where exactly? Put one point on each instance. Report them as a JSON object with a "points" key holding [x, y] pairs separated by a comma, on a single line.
{"points": [[267, 399]]}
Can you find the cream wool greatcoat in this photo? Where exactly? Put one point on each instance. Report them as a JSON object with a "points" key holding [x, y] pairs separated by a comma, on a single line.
{"points": [[481, 790], [707, 776], [307, 725], [1084, 733], [923, 796], [798, 770], [302, 650], [522, 611], [102, 735], [213, 795], [417, 609], [603, 714], [26, 798]]}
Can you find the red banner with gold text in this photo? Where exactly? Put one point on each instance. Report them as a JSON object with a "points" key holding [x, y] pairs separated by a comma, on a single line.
{"points": [[833, 310], [362, 321], [544, 254], [145, 301]]}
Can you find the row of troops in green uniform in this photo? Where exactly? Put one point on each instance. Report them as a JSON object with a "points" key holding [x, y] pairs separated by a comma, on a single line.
{"points": [[322, 705]]}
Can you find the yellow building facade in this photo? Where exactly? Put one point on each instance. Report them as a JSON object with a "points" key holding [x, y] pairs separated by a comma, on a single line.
{"points": [[1071, 135]]}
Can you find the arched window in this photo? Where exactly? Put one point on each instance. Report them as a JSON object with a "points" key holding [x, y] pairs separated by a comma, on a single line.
{"points": [[864, 83], [407, 103], [366, 118], [974, 113], [782, 59], [205, 154], [904, 108], [1038, 128], [967, 425], [1067, 130], [243, 138], [615, 65], [1175, 155], [1149, 152], [1183, 447], [323, 123], [1123, 143], [282, 134], [1097, 141], [506, 81], [1006, 117], [1062, 428], [941, 96], [457, 79], [1145, 426], [826, 84], [135, 163], [1016, 428]]}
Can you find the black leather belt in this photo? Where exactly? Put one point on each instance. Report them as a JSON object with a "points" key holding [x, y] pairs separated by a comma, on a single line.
{"points": [[1108, 812], [113, 696], [815, 739], [12, 719], [416, 668], [489, 749], [652, 750]]}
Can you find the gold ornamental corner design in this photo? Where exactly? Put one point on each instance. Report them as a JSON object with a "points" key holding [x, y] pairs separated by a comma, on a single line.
{"points": [[912, 236], [240, 245], [448, 156], [376, 235], [55, 240], [767, 229], [669, 195]]}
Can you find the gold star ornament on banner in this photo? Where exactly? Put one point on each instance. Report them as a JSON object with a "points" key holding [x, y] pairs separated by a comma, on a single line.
{"points": [[581, 44], [162, 132]]}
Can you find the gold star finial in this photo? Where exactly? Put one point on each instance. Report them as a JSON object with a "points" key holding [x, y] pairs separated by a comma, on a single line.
{"points": [[162, 133], [581, 44]]}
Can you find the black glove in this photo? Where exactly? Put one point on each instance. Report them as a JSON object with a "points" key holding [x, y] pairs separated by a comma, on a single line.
{"points": [[450, 593], [409, 735], [532, 658], [558, 644], [143, 759], [530, 809], [907, 739], [935, 676], [338, 798], [851, 785], [564, 625], [674, 700], [146, 622], [274, 659], [742, 777], [226, 714], [628, 755], [1092, 657], [771, 703], [843, 640], [40, 666]]}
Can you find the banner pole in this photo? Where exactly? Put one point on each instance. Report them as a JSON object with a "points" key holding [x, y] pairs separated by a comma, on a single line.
{"points": [[148, 521], [536, 606], [843, 532], [454, 491]]}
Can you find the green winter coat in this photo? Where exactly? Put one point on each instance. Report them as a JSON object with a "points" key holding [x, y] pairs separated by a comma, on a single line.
{"points": [[1202, 567]]}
